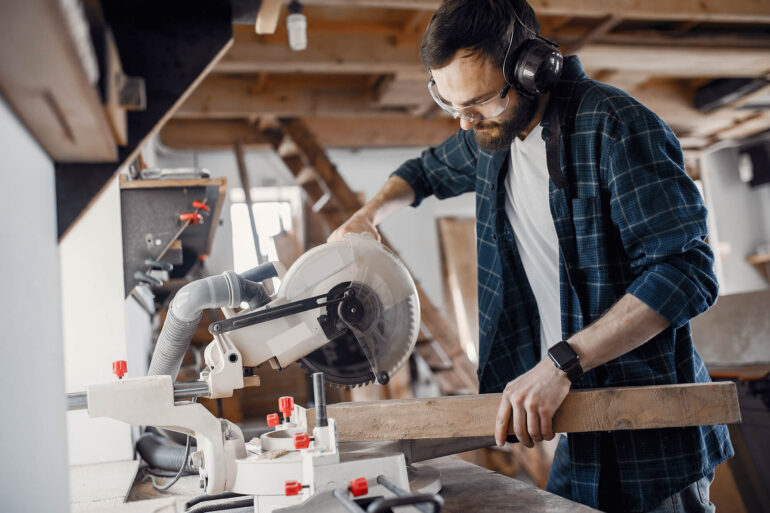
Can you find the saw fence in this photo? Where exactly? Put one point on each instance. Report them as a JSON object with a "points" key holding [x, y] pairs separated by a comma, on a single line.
{"points": [[604, 409]]}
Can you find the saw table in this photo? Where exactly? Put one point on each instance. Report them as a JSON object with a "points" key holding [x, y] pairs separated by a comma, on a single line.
{"points": [[466, 487]]}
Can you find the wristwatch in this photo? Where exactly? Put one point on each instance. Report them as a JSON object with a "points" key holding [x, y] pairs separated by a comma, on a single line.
{"points": [[565, 358]]}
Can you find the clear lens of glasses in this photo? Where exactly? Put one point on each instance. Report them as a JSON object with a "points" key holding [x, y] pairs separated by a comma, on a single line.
{"points": [[487, 109]]}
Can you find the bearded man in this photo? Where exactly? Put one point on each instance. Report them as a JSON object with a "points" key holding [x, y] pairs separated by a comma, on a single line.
{"points": [[591, 248]]}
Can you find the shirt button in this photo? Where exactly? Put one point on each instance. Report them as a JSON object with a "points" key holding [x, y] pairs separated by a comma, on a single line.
{"points": [[491, 187], [489, 329], [494, 237]]}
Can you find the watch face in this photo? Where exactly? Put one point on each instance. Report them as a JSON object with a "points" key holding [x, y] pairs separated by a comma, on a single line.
{"points": [[563, 354]]}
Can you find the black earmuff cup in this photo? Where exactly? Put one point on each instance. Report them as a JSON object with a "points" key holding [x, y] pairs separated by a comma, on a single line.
{"points": [[537, 68]]}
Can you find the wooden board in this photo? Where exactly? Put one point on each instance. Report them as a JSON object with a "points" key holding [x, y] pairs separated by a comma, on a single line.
{"points": [[749, 11], [44, 78], [100, 483], [601, 409]]}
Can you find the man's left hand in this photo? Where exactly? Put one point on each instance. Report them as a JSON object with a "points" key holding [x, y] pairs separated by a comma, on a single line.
{"points": [[533, 399]]}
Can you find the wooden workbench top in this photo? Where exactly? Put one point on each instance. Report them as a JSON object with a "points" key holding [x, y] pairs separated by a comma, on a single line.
{"points": [[468, 487]]}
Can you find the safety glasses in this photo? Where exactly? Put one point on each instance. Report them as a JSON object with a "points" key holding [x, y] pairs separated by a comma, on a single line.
{"points": [[476, 112]]}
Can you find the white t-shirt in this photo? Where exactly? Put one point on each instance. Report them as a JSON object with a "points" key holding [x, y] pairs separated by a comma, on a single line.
{"points": [[528, 208]]}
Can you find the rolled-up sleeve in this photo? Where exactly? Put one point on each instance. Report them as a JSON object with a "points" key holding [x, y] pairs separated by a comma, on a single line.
{"points": [[661, 217], [446, 170]]}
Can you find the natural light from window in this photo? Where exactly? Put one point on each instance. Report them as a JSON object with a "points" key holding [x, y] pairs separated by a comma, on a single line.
{"points": [[271, 218]]}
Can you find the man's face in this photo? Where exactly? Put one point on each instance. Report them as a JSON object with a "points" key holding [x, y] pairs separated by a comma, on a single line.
{"points": [[469, 79]]}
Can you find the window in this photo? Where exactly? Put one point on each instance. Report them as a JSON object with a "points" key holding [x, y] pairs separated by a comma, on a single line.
{"points": [[276, 210]]}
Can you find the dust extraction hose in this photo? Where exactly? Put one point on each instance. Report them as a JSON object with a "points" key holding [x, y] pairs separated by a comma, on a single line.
{"points": [[161, 455], [184, 315]]}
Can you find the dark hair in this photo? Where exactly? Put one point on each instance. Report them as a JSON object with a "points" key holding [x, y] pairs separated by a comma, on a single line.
{"points": [[481, 26]]}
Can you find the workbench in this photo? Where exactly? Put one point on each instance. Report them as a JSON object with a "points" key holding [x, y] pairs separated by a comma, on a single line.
{"points": [[466, 487]]}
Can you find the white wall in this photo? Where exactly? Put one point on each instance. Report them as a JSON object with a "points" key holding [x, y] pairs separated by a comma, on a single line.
{"points": [[412, 232], [94, 324], [739, 220], [33, 442]]}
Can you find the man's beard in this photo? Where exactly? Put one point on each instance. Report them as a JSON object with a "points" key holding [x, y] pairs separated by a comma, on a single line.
{"points": [[501, 133]]}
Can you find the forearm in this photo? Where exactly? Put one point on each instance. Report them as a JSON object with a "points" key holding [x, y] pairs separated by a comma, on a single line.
{"points": [[624, 327], [392, 197]]}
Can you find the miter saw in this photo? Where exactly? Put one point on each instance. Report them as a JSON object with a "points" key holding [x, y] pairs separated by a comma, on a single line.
{"points": [[349, 312]]}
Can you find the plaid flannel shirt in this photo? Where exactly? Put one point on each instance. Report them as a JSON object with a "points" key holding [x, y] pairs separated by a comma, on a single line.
{"points": [[629, 221]]}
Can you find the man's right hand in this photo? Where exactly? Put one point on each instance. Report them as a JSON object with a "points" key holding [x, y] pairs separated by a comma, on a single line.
{"points": [[358, 223], [392, 197]]}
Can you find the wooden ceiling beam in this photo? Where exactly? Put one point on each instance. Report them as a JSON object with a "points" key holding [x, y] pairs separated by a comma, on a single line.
{"points": [[756, 123], [185, 134], [236, 97], [678, 61], [381, 55], [748, 11], [601, 29]]}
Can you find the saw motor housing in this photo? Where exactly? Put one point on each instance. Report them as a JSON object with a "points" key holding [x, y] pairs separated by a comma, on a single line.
{"points": [[359, 324]]}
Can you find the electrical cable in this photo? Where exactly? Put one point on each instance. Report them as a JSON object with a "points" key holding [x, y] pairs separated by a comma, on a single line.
{"points": [[163, 488]]}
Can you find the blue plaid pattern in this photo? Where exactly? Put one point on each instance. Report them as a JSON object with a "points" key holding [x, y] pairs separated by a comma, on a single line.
{"points": [[629, 221]]}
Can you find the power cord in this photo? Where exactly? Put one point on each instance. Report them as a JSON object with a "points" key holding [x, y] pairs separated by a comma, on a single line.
{"points": [[163, 488]]}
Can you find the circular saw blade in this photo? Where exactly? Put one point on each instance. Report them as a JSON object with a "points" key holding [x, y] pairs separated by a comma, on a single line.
{"points": [[387, 333]]}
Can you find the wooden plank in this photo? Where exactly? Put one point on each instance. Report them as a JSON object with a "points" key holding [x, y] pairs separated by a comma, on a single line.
{"points": [[754, 125], [746, 11], [48, 85], [740, 372], [603, 28], [326, 53], [374, 53], [335, 132], [230, 97], [102, 483], [471, 488], [267, 17], [670, 61], [601, 409], [159, 184], [457, 237]]}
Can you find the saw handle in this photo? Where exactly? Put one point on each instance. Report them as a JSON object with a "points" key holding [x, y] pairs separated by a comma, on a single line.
{"points": [[384, 505]]}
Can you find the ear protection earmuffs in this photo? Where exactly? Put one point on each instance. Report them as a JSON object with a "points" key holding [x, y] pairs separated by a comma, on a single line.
{"points": [[535, 66]]}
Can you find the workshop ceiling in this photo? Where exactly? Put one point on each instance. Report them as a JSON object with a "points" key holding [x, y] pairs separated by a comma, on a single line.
{"points": [[360, 82]]}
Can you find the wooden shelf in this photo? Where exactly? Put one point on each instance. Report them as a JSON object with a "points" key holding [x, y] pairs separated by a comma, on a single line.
{"points": [[762, 262], [759, 259]]}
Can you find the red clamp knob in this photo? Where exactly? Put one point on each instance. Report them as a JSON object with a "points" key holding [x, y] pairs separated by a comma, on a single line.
{"points": [[192, 217], [301, 440], [293, 487], [359, 487], [273, 420], [201, 206], [286, 405], [119, 368]]}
